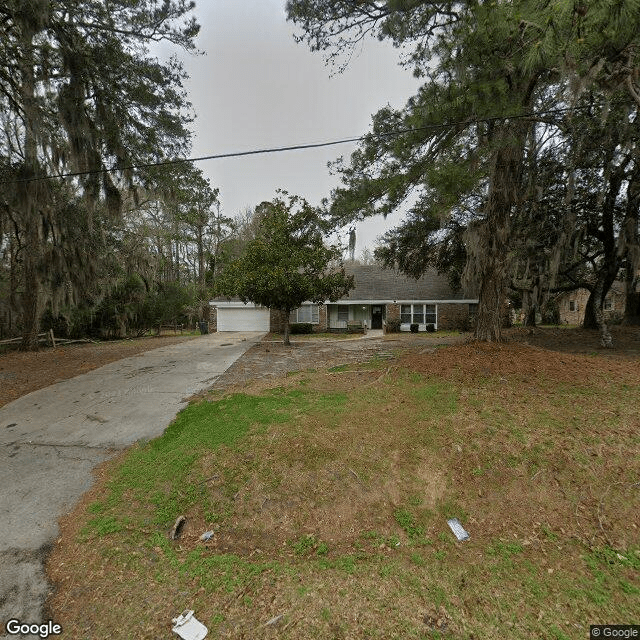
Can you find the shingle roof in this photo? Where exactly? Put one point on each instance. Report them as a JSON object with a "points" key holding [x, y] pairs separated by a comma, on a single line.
{"points": [[375, 283]]}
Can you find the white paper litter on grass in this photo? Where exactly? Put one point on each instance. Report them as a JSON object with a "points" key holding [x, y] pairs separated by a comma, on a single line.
{"points": [[458, 529], [187, 627]]}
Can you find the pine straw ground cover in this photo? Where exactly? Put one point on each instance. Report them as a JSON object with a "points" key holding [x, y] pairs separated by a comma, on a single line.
{"points": [[329, 497]]}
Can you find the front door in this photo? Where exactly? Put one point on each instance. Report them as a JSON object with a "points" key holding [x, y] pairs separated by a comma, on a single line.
{"points": [[376, 317]]}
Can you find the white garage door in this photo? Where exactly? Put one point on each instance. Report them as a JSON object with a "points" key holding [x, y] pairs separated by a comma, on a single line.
{"points": [[243, 319]]}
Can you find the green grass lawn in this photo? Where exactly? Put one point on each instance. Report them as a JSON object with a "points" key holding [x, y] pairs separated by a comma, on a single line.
{"points": [[329, 497]]}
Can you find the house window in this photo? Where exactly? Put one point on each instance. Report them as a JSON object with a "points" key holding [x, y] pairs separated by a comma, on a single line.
{"points": [[608, 304], [418, 314], [343, 313], [306, 313], [572, 305]]}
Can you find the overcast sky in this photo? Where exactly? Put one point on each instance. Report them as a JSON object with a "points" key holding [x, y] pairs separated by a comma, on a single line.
{"points": [[257, 88]]}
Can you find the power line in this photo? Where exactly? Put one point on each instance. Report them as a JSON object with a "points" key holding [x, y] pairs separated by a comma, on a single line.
{"points": [[144, 165], [296, 147]]}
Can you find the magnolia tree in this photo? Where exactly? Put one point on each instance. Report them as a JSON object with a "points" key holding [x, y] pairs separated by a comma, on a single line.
{"points": [[288, 263]]}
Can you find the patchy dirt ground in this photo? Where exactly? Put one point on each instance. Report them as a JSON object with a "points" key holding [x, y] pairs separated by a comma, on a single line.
{"points": [[22, 373], [269, 360]]}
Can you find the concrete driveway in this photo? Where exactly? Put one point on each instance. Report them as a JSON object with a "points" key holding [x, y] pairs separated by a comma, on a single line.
{"points": [[51, 439]]}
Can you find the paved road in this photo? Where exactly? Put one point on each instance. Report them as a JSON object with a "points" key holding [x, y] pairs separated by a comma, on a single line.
{"points": [[51, 439]]}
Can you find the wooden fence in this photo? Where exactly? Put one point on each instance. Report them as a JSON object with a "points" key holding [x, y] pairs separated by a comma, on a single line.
{"points": [[46, 338], [50, 339]]}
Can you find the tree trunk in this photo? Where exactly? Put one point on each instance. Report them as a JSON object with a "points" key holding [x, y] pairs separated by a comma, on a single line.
{"points": [[205, 309], [28, 198], [590, 321], [176, 251], [530, 318], [14, 278], [608, 270], [632, 296], [490, 247], [492, 296], [632, 250], [31, 298], [632, 309], [594, 310], [596, 314], [594, 317], [529, 309], [286, 329]]}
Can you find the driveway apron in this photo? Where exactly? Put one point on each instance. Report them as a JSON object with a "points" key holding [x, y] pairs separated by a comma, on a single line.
{"points": [[51, 439]]}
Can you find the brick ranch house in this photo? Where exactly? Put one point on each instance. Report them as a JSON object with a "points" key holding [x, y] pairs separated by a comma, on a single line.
{"points": [[379, 295], [572, 304]]}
